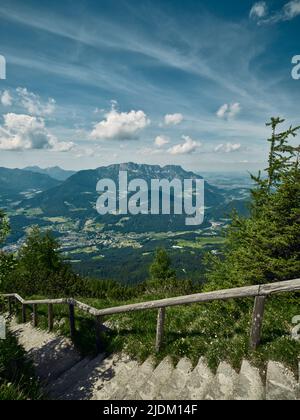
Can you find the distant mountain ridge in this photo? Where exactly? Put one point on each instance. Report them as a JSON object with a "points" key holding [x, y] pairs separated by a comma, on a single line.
{"points": [[54, 172], [34, 193], [14, 181], [76, 197], [79, 190]]}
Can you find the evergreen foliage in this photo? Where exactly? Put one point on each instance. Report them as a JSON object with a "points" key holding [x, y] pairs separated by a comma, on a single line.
{"points": [[265, 247]]}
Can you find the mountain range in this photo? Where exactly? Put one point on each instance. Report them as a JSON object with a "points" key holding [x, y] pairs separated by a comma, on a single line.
{"points": [[76, 196], [55, 172], [16, 184], [113, 246]]}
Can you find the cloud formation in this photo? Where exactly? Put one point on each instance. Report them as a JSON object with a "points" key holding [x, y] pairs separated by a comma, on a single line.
{"points": [[161, 141], [189, 146], [228, 148], [259, 10], [24, 132], [288, 12], [6, 98], [228, 111], [173, 119], [120, 125], [33, 104]]}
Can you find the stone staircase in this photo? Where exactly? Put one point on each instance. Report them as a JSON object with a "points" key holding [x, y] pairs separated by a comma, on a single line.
{"points": [[66, 376]]}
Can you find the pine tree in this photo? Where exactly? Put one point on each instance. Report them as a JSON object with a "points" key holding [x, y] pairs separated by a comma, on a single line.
{"points": [[41, 269], [265, 247], [6, 260]]}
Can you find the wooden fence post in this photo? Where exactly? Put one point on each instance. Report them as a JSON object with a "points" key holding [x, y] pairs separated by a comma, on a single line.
{"points": [[72, 320], [99, 328], [10, 306], [257, 321], [34, 316], [50, 317], [23, 314], [160, 328]]}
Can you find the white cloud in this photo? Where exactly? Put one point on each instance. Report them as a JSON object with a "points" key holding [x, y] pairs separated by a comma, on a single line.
{"points": [[25, 132], [228, 148], [33, 104], [259, 10], [291, 10], [288, 12], [161, 141], [173, 119], [6, 98], [228, 111], [120, 125], [189, 146]]}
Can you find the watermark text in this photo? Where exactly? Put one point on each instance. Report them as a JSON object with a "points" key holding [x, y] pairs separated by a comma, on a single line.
{"points": [[296, 68], [2, 67], [159, 197], [2, 328], [296, 329]]}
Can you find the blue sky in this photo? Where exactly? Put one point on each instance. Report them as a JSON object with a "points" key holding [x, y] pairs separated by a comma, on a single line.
{"points": [[90, 83]]}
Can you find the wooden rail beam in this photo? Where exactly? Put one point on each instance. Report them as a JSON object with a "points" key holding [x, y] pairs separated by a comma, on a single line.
{"points": [[260, 293]]}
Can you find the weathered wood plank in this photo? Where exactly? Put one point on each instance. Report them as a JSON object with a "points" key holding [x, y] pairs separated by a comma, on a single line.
{"points": [[257, 321], [72, 320], [34, 316], [99, 329], [50, 317], [242, 292], [160, 328], [10, 305], [46, 302], [85, 308], [280, 287], [23, 314]]}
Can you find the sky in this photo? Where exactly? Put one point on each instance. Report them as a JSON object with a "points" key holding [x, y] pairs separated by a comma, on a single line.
{"points": [[187, 82]]}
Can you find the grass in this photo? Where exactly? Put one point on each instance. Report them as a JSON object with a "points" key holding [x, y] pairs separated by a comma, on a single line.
{"points": [[217, 331], [17, 380]]}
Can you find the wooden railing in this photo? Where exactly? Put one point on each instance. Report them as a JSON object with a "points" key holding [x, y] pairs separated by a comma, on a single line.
{"points": [[260, 293]]}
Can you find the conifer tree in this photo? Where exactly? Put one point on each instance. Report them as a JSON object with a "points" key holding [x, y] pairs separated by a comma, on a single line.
{"points": [[265, 247]]}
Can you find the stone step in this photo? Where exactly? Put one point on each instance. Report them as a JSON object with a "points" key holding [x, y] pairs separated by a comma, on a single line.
{"points": [[249, 385], [172, 388], [52, 355], [281, 383], [158, 378], [198, 383], [84, 379], [224, 384], [57, 387], [66, 376], [140, 376], [120, 375]]}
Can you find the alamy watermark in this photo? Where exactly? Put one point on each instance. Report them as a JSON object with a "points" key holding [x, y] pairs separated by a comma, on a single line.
{"points": [[2, 67], [159, 197], [2, 328], [296, 68]]}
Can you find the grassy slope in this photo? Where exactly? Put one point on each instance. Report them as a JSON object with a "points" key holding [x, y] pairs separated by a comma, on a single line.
{"points": [[218, 331], [17, 380]]}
